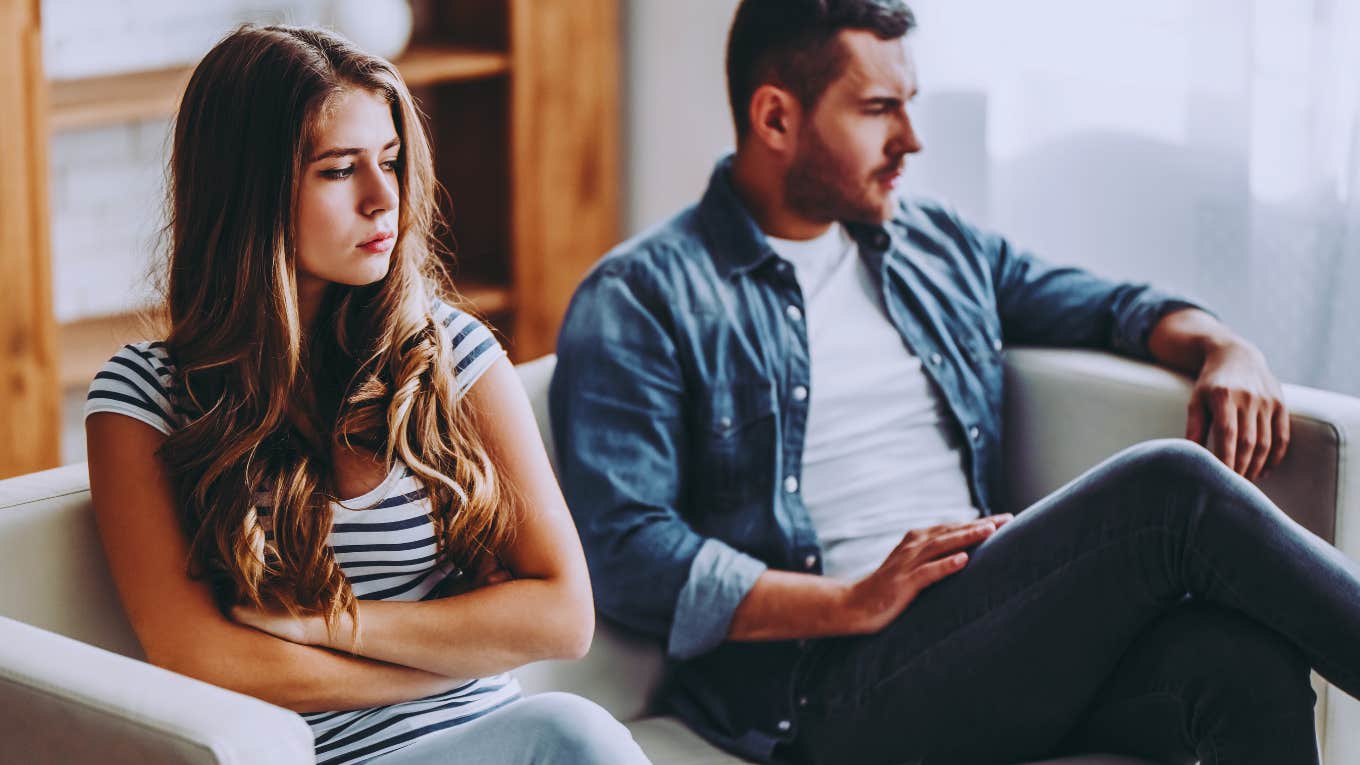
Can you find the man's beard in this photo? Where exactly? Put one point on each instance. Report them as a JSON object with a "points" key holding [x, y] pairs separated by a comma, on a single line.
{"points": [[816, 188]]}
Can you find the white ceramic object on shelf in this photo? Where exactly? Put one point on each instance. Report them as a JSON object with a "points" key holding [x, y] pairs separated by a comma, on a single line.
{"points": [[381, 27]]}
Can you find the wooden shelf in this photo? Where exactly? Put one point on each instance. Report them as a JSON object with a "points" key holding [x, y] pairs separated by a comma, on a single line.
{"points": [[95, 101], [86, 344]]}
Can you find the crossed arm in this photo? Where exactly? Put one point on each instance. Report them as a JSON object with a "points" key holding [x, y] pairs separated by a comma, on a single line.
{"points": [[405, 650]]}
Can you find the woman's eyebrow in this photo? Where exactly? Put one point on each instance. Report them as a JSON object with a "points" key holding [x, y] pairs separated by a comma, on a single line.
{"points": [[346, 152]]}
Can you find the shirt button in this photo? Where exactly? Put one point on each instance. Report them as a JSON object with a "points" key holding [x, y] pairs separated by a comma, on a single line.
{"points": [[794, 312], [975, 433], [881, 240], [802, 701], [785, 725], [800, 393], [791, 484], [935, 359], [725, 423], [810, 562], [996, 345]]}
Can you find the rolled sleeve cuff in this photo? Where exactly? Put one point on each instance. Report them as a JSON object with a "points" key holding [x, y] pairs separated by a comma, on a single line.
{"points": [[719, 579], [1134, 327]]}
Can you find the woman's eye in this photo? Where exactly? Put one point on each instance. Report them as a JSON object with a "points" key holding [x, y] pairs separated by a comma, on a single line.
{"points": [[391, 165], [338, 173]]}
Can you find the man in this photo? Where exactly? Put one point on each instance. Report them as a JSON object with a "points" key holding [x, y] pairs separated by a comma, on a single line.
{"points": [[778, 419]]}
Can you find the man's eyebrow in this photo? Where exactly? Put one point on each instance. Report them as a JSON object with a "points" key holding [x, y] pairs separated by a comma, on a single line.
{"points": [[346, 152]]}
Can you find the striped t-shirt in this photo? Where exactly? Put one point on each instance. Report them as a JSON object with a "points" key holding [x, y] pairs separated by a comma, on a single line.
{"points": [[383, 541]]}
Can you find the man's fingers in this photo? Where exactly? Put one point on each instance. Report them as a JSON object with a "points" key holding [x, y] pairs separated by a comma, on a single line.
{"points": [[954, 541], [1280, 425], [1246, 439], [1263, 444], [1195, 422], [927, 574], [1225, 429]]}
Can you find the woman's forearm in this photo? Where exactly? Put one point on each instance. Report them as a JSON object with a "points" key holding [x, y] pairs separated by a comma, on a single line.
{"points": [[305, 678], [485, 631]]}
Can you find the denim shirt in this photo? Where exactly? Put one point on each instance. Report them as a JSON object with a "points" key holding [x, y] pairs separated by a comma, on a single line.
{"points": [[680, 442]]}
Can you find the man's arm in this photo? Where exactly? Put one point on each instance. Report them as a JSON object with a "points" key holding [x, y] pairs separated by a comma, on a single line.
{"points": [[786, 605], [1236, 398], [617, 400]]}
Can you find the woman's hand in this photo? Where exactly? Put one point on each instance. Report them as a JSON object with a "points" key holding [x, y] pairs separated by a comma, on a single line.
{"points": [[276, 621]]}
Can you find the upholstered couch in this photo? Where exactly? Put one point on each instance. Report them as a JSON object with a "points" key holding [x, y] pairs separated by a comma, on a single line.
{"points": [[73, 688]]}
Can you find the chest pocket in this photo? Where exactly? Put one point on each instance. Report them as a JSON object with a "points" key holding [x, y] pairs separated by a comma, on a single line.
{"points": [[739, 453]]}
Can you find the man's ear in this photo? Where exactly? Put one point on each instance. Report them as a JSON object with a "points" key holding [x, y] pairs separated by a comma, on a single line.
{"points": [[774, 117]]}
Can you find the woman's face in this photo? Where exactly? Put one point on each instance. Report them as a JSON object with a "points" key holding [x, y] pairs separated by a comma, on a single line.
{"points": [[348, 196]]}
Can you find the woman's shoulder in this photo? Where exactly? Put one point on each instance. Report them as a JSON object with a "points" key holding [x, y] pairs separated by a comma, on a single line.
{"points": [[137, 382], [473, 345]]}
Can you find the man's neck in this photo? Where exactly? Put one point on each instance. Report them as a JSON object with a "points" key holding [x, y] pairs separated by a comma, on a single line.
{"points": [[759, 184]]}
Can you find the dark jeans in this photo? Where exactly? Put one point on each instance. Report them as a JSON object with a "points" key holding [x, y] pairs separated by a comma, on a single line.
{"points": [[1158, 606]]}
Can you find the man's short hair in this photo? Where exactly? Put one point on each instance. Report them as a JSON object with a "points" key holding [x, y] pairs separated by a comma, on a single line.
{"points": [[792, 44]]}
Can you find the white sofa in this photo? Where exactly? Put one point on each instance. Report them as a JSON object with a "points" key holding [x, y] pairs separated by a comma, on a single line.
{"points": [[73, 688]]}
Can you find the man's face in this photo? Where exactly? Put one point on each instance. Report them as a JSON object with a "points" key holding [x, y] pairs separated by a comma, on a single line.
{"points": [[852, 144]]}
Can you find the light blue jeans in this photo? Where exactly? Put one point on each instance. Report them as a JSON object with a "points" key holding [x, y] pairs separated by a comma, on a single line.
{"points": [[536, 730]]}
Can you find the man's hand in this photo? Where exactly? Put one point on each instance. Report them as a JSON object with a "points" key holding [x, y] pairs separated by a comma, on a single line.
{"points": [[922, 558], [1239, 402], [1236, 399]]}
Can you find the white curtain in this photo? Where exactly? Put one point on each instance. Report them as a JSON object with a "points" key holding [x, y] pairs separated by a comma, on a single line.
{"points": [[1209, 146]]}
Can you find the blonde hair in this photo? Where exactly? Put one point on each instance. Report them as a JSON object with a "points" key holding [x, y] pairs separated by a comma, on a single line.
{"points": [[267, 405]]}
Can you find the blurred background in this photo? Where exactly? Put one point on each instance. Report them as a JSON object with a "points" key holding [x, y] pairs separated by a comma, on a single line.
{"points": [[1209, 146]]}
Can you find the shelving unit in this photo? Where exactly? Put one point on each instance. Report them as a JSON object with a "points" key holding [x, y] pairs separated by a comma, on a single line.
{"points": [[522, 102]]}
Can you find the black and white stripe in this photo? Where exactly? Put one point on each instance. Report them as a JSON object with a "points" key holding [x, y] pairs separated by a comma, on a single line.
{"points": [[383, 540]]}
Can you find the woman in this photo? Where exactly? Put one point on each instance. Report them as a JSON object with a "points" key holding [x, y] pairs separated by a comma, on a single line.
{"points": [[325, 487]]}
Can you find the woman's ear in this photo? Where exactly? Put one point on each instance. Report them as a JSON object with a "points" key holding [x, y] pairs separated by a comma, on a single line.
{"points": [[774, 117]]}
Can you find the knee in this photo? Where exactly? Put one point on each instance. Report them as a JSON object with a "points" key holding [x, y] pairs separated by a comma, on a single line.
{"points": [[1174, 460], [576, 729]]}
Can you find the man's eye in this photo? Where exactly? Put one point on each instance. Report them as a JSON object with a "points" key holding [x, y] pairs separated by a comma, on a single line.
{"points": [[338, 173]]}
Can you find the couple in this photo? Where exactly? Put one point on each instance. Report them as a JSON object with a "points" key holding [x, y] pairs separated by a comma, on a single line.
{"points": [[777, 417]]}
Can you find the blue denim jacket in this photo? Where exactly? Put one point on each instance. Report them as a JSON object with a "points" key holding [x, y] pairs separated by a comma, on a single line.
{"points": [[680, 443]]}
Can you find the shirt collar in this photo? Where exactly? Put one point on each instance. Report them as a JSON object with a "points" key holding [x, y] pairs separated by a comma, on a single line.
{"points": [[737, 245]]}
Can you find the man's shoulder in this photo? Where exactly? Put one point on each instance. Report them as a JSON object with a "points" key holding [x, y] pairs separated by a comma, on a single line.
{"points": [[660, 253], [926, 214]]}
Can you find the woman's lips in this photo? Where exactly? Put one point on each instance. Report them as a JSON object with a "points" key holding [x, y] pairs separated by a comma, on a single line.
{"points": [[381, 243]]}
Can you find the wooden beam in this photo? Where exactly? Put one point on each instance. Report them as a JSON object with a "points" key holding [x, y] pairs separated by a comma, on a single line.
{"points": [[30, 406], [564, 155]]}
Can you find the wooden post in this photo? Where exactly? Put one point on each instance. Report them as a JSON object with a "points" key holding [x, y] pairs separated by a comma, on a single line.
{"points": [[564, 155], [30, 402]]}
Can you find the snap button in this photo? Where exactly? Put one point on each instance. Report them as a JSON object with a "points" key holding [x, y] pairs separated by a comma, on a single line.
{"points": [[936, 359], [810, 562], [725, 423], [791, 484], [794, 312], [800, 393], [975, 433], [996, 345], [802, 701], [785, 725]]}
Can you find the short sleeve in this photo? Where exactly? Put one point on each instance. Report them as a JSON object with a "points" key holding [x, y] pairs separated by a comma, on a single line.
{"points": [[135, 383], [474, 348]]}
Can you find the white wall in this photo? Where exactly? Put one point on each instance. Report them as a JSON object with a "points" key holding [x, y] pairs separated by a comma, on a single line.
{"points": [[676, 119]]}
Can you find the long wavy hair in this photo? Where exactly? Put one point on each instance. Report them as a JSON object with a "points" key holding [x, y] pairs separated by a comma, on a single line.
{"points": [[266, 399]]}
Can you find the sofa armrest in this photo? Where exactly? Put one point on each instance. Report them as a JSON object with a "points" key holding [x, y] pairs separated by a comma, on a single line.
{"points": [[1067, 410], [66, 701]]}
